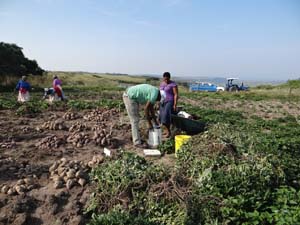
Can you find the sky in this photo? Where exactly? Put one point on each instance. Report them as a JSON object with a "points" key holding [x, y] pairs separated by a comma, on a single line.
{"points": [[249, 39]]}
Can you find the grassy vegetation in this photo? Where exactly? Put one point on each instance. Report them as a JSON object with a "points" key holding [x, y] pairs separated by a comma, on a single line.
{"points": [[259, 94], [79, 80]]}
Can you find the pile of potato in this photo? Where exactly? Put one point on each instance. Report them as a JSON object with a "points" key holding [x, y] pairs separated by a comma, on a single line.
{"points": [[77, 127], [97, 159], [54, 125], [70, 116], [66, 173], [78, 139], [101, 114], [8, 143], [26, 129], [5, 163], [114, 111], [100, 126], [22, 186], [102, 137], [49, 142]]}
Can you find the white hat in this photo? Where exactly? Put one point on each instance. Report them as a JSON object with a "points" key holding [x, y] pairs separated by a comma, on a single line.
{"points": [[163, 96]]}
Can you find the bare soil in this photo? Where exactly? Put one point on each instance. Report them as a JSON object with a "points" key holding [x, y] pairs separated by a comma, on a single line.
{"points": [[21, 157]]}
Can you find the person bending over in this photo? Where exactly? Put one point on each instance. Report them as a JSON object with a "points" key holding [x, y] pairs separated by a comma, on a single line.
{"points": [[135, 96]]}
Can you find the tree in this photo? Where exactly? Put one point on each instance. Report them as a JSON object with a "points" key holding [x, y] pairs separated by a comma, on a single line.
{"points": [[293, 84], [14, 63]]}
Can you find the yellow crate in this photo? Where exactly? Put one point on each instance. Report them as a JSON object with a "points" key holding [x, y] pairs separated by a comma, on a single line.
{"points": [[179, 141]]}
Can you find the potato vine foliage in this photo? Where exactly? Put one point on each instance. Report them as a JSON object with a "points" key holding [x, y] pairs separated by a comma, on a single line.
{"points": [[140, 189], [37, 106], [240, 177], [167, 147], [230, 174]]}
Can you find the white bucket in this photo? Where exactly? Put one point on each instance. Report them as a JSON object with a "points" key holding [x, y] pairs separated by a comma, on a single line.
{"points": [[154, 137]]}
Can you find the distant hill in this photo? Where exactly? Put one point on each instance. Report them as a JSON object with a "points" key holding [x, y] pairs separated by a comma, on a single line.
{"points": [[221, 81]]}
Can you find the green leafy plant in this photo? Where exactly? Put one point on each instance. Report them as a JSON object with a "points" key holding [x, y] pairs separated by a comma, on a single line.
{"points": [[32, 107], [167, 146], [140, 188]]}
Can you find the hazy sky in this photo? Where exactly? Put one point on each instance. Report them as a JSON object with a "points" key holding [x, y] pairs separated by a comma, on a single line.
{"points": [[250, 39]]}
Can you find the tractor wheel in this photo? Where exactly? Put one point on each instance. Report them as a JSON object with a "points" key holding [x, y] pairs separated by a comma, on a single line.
{"points": [[233, 89]]}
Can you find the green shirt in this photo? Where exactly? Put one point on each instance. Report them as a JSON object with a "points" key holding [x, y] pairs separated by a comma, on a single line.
{"points": [[142, 93]]}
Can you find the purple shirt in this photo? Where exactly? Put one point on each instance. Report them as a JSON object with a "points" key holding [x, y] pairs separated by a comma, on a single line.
{"points": [[168, 88], [56, 82]]}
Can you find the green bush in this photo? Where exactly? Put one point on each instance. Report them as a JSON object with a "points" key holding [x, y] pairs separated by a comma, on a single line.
{"points": [[31, 107], [8, 104], [265, 86]]}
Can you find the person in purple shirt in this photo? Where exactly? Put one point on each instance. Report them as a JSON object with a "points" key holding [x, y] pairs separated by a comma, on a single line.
{"points": [[56, 84], [170, 103]]}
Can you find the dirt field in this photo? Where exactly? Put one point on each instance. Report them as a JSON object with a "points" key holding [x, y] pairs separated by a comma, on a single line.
{"points": [[267, 109], [45, 157], [34, 193]]}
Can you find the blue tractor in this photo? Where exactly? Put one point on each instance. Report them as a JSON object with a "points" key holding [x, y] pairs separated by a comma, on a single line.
{"points": [[234, 87]]}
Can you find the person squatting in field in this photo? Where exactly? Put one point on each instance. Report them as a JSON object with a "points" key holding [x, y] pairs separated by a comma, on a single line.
{"points": [[49, 94], [57, 87], [23, 87], [133, 97], [169, 105]]}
